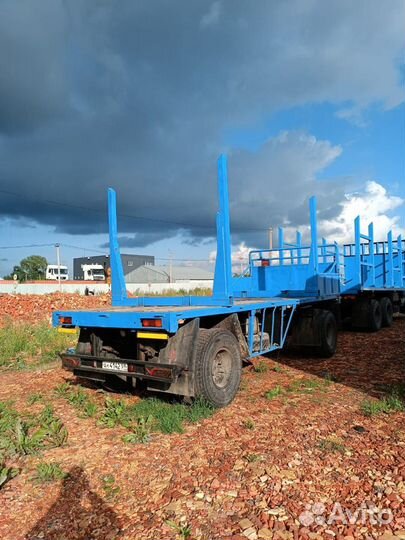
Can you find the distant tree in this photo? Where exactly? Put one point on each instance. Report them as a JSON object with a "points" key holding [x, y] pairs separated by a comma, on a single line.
{"points": [[30, 268]]}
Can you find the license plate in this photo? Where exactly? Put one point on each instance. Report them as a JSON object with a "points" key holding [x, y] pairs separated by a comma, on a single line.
{"points": [[115, 366]]}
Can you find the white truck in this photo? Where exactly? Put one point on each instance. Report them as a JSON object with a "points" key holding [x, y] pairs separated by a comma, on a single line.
{"points": [[93, 272], [52, 272]]}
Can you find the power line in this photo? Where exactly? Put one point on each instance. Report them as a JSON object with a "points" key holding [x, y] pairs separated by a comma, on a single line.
{"points": [[82, 248], [127, 216], [27, 246]]}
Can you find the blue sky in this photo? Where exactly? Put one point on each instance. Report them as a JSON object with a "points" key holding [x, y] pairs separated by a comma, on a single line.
{"points": [[373, 150]]}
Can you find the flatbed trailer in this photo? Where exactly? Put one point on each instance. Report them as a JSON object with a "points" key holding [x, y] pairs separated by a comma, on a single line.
{"points": [[195, 345]]}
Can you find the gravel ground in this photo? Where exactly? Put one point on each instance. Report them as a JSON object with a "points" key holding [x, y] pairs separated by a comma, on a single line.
{"points": [[305, 464]]}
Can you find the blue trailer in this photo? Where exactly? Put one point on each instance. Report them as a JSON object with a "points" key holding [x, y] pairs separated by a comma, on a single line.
{"points": [[195, 345]]}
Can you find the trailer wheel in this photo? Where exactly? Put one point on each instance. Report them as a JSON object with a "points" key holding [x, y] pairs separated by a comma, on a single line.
{"points": [[328, 333], [367, 314], [387, 311], [218, 366], [374, 315]]}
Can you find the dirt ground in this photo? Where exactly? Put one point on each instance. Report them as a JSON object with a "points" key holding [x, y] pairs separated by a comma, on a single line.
{"points": [[298, 465]]}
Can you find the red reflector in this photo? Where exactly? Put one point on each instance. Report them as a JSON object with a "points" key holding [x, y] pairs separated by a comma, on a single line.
{"points": [[151, 323], [163, 373], [65, 320], [265, 262], [70, 362]]}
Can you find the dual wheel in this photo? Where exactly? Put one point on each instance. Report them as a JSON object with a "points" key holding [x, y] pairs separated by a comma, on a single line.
{"points": [[372, 314]]}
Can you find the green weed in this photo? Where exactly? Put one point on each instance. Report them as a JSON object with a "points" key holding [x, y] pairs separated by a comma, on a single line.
{"points": [[79, 399], [6, 474], [278, 369], [182, 529], [261, 367], [29, 434], [114, 412], [274, 392], [48, 472], [389, 404], [108, 484], [35, 398], [141, 432], [248, 423], [253, 458], [332, 444]]}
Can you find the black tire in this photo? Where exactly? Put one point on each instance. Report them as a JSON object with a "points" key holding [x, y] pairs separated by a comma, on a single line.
{"points": [[387, 311], [218, 366], [374, 315], [328, 330]]}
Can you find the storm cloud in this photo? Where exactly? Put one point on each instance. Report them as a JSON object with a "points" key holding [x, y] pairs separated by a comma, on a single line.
{"points": [[139, 96]]}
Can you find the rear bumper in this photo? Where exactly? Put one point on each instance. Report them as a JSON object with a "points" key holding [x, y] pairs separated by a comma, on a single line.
{"points": [[91, 367]]}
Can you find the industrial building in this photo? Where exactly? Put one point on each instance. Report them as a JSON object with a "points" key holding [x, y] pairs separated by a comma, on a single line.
{"points": [[149, 273], [129, 263]]}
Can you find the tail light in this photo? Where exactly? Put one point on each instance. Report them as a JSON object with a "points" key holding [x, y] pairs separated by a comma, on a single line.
{"points": [[65, 320], [151, 323]]}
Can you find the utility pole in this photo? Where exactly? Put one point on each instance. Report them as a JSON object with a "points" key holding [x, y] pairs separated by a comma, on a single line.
{"points": [[58, 262]]}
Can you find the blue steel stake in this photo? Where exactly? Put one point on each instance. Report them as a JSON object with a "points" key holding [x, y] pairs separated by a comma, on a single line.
{"points": [[371, 252], [223, 264], [314, 234], [299, 244], [400, 257], [390, 261], [357, 254], [118, 287], [281, 244]]}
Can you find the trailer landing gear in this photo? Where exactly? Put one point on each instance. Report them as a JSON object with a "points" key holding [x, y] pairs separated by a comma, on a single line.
{"points": [[218, 366]]}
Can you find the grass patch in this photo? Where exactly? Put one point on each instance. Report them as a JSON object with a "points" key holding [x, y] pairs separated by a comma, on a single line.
{"points": [[261, 367], [111, 490], [277, 369], [303, 386], [153, 414], [79, 399], [48, 472], [389, 404], [253, 458], [36, 397], [182, 529], [307, 386], [248, 423], [332, 444], [393, 402], [141, 431], [30, 345], [274, 392], [141, 418], [29, 434]]}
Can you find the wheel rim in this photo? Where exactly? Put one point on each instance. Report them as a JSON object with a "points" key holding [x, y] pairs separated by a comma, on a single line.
{"points": [[221, 368]]}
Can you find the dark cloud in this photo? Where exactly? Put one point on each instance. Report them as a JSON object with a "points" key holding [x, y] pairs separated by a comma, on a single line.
{"points": [[138, 95]]}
